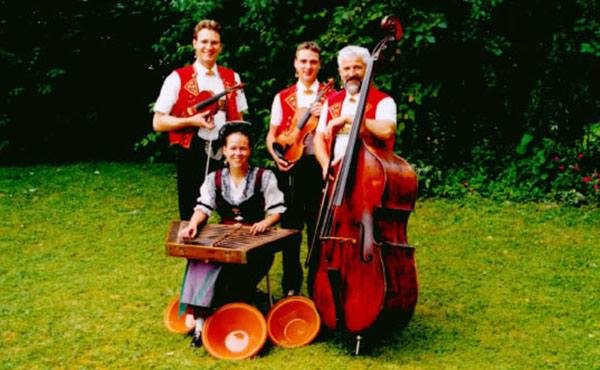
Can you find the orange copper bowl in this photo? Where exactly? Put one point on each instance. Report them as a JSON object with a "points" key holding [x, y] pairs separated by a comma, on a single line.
{"points": [[235, 331], [175, 323], [293, 321]]}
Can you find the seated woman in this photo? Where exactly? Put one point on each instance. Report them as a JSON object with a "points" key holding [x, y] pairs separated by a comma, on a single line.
{"points": [[240, 194]]}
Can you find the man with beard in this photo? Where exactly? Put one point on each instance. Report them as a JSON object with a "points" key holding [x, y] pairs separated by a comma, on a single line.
{"points": [[340, 108]]}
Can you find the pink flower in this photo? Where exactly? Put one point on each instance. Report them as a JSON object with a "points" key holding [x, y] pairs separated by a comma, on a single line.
{"points": [[596, 187], [576, 168], [561, 168], [586, 179], [556, 158], [580, 155]]}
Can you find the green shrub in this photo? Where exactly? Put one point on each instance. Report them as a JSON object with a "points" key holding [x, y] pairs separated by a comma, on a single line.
{"points": [[537, 170]]}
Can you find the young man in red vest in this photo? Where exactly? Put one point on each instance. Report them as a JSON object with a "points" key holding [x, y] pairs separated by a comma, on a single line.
{"points": [[300, 181], [180, 91], [339, 110]]}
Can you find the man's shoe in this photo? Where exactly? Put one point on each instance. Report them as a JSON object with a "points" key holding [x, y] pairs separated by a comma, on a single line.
{"points": [[196, 340], [291, 293]]}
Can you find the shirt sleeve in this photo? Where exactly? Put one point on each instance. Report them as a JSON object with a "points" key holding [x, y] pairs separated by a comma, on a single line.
{"points": [[168, 94], [276, 112], [207, 201], [273, 196], [240, 99], [322, 125], [386, 109]]}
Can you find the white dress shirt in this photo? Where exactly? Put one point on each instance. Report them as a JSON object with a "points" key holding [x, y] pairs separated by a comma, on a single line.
{"points": [[386, 110]]}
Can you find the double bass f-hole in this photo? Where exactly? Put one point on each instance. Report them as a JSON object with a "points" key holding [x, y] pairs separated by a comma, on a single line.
{"points": [[367, 253]]}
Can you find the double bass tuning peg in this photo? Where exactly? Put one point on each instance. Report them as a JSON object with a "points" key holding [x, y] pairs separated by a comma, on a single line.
{"points": [[392, 25]]}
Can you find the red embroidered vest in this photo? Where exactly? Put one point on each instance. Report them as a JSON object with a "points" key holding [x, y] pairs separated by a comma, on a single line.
{"points": [[335, 101], [188, 96], [289, 106]]}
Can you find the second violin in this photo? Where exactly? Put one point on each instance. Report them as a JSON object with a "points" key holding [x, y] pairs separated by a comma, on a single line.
{"points": [[289, 145]]}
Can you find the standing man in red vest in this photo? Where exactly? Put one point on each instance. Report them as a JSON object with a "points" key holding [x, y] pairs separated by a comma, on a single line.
{"points": [[180, 91], [300, 181], [339, 110]]}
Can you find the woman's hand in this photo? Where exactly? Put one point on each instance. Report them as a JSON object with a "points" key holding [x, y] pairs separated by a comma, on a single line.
{"points": [[189, 232], [260, 227]]}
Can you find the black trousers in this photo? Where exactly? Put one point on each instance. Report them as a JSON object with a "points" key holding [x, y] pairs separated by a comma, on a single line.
{"points": [[191, 165], [302, 189]]}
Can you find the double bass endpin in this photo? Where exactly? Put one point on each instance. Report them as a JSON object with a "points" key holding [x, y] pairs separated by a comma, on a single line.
{"points": [[357, 350]]}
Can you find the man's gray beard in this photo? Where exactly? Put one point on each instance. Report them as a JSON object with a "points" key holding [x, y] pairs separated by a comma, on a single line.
{"points": [[352, 88]]}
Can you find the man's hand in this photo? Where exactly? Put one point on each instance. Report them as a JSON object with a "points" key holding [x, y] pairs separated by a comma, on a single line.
{"points": [[283, 165], [259, 227], [203, 120], [324, 172], [328, 170], [337, 123], [315, 110]]}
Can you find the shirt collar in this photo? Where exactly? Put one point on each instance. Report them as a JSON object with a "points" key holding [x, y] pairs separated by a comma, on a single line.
{"points": [[202, 70], [314, 87], [355, 97]]}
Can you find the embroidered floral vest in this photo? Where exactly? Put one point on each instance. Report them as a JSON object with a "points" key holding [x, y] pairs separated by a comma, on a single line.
{"points": [[189, 96]]}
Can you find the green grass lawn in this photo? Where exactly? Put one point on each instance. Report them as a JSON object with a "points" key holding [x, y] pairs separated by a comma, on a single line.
{"points": [[84, 281]]}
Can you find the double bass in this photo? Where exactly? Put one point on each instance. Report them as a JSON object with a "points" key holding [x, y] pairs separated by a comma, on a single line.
{"points": [[366, 270]]}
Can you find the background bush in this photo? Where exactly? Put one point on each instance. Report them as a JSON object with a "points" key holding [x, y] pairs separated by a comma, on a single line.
{"points": [[488, 92]]}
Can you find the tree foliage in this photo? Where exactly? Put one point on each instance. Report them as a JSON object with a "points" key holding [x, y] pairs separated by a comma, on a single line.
{"points": [[79, 78]]}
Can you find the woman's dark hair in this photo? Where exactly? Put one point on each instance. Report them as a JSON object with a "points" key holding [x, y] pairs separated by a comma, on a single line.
{"points": [[232, 127]]}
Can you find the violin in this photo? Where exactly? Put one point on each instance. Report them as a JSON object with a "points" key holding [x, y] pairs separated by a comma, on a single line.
{"points": [[366, 271], [289, 145], [210, 103]]}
